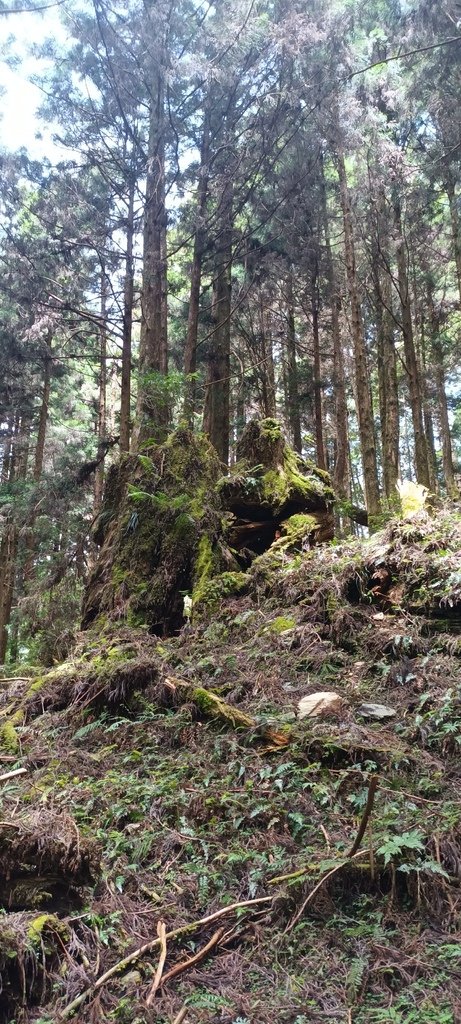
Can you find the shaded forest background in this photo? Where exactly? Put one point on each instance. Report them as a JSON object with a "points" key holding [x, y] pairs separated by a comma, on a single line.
{"points": [[258, 215]]}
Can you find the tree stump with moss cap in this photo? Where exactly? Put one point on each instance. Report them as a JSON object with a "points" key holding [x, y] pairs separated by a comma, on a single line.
{"points": [[275, 494]]}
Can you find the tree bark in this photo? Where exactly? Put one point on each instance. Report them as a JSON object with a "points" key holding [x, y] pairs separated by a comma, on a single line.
{"points": [[153, 405], [387, 378], [294, 417], [318, 411], [99, 472], [439, 381], [341, 468], [364, 404], [190, 352], [455, 227], [411, 362], [128, 299]]}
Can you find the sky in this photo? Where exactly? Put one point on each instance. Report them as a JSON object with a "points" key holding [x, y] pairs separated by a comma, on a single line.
{"points": [[19, 124]]}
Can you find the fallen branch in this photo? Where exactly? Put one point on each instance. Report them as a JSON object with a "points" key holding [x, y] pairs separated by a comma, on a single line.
{"points": [[11, 775], [214, 707], [153, 944], [161, 932], [196, 959], [180, 1016]]}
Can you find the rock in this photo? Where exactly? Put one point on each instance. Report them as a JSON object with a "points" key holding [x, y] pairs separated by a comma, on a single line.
{"points": [[324, 702], [379, 711]]}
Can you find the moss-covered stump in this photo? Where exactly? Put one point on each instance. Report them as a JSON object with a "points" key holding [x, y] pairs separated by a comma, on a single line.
{"points": [[272, 485], [161, 530]]}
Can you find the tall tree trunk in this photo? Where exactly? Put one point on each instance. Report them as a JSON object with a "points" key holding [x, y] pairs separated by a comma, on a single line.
{"points": [[10, 538], [38, 459], [439, 381], [341, 467], [318, 411], [267, 366], [128, 299], [153, 405], [102, 398], [364, 404], [387, 378], [190, 352], [455, 227], [411, 362], [217, 400], [294, 417]]}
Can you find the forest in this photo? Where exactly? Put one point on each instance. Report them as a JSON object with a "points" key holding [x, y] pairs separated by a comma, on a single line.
{"points": [[230, 514]]}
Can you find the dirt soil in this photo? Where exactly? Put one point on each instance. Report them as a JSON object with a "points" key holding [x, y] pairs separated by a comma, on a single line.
{"points": [[165, 781]]}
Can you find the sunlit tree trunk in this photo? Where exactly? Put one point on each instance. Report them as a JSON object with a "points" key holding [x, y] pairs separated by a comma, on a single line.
{"points": [[439, 381], [364, 404]]}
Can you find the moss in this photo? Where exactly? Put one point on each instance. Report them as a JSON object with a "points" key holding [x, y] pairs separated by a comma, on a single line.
{"points": [[45, 922], [9, 740], [281, 624], [219, 587], [297, 528], [203, 570]]}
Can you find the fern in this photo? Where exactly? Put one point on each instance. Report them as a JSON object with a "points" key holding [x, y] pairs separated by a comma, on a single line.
{"points": [[354, 980]]}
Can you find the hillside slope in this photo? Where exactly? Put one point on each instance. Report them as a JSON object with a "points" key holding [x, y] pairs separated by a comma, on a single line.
{"points": [[168, 780]]}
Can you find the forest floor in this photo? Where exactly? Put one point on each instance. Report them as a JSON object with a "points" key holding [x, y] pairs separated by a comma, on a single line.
{"points": [[143, 800]]}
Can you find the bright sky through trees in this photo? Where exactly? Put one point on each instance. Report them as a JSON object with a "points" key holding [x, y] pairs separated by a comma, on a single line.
{"points": [[19, 125]]}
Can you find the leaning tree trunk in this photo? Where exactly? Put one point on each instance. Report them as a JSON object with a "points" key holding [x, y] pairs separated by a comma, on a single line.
{"points": [[364, 404]]}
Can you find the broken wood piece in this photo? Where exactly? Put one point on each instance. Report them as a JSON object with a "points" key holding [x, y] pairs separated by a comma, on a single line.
{"points": [[196, 959], [13, 774], [161, 932]]}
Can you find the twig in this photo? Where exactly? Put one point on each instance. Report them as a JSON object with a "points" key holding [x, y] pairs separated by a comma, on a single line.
{"points": [[11, 775], [316, 888], [202, 953], [180, 1016], [153, 944], [366, 814], [161, 932]]}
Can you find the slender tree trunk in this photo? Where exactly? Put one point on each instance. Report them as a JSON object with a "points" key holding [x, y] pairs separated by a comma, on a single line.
{"points": [[411, 363], [455, 228], [318, 410], [10, 537], [102, 429], [217, 401], [7, 449], [341, 468], [439, 381], [153, 405], [128, 299], [190, 352], [267, 368], [294, 417], [387, 378], [364, 405], [43, 417]]}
